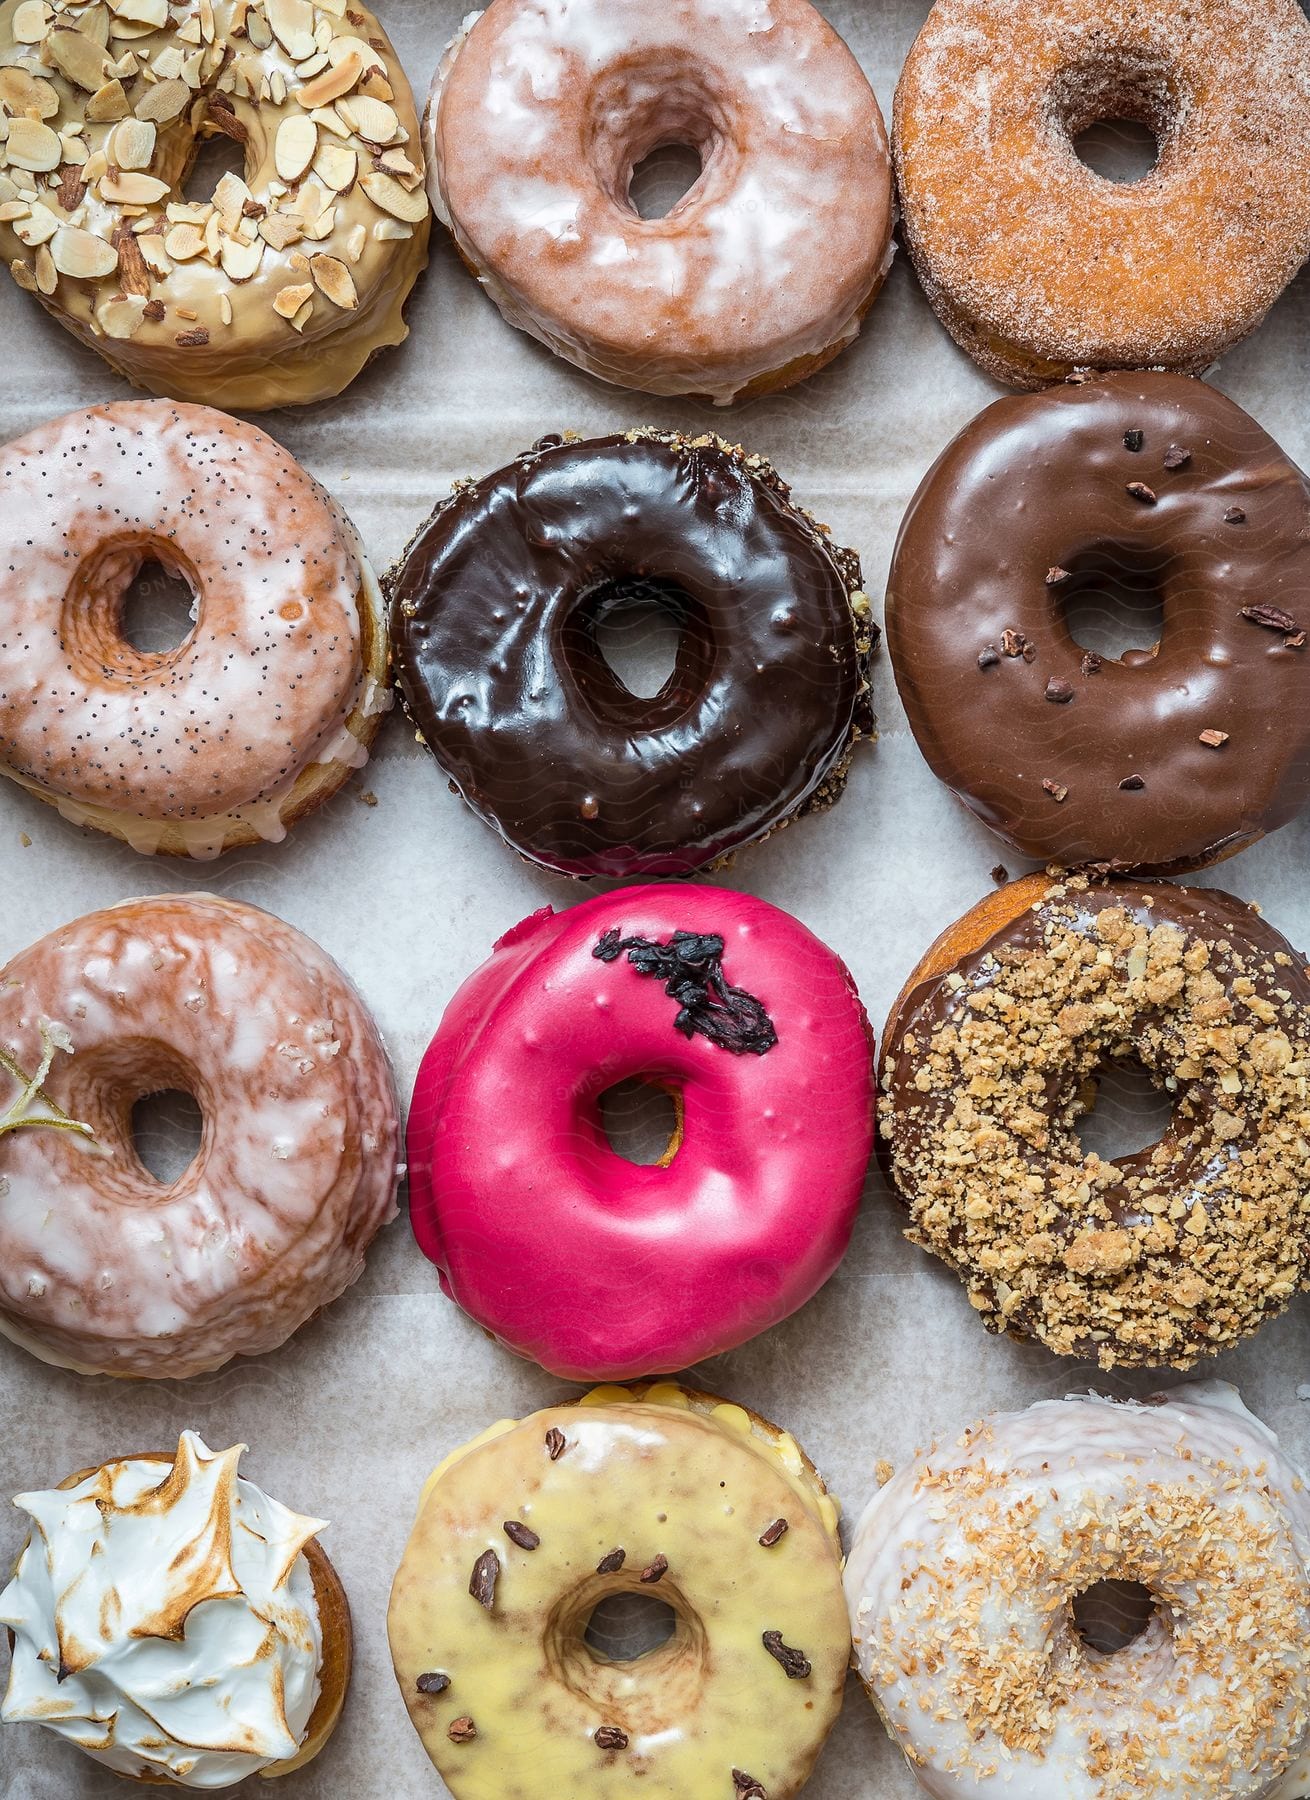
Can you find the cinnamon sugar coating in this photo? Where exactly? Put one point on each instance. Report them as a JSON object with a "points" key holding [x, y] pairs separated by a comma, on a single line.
{"points": [[1036, 264], [1161, 1257]]}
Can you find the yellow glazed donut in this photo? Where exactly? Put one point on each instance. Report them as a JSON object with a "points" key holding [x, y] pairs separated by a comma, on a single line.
{"points": [[279, 289], [1036, 264], [653, 1490], [269, 702]]}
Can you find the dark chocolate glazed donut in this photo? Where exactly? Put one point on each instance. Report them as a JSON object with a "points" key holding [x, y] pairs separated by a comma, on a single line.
{"points": [[495, 612], [991, 1059], [1165, 759]]}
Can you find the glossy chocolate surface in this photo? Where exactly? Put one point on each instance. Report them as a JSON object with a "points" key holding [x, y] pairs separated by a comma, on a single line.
{"points": [[495, 614], [1157, 482]]}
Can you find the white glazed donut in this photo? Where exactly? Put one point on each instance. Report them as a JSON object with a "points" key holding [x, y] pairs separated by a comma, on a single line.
{"points": [[104, 1268], [271, 700], [761, 273], [963, 1571]]}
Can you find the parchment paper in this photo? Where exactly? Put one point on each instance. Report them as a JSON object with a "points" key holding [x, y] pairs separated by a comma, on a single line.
{"points": [[347, 1419]]}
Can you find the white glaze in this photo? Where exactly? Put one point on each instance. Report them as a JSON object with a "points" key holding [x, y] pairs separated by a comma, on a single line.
{"points": [[926, 1554], [179, 1606], [101, 1266], [537, 116], [271, 682]]}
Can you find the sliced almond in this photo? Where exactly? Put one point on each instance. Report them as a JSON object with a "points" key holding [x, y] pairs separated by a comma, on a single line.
{"points": [[303, 316], [372, 119], [292, 22], [279, 231], [290, 299], [184, 241], [94, 23], [333, 278], [230, 197], [332, 83], [386, 192], [312, 65], [341, 49], [24, 93], [154, 255], [38, 228], [81, 255], [259, 31], [167, 65], [327, 118], [336, 167], [121, 317], [73, 152], [11, 210], [322, 227], [390, 231], [30, 22], [108, 102], [133, 275], [240, 261], [32, 145], [356, 239], [297, 140], [190, 32], [132, 189], [79, 58], [163, 104], [376, 86], [23, 275], [153, 13], [225, 309], [132, 144], [47, 275]]}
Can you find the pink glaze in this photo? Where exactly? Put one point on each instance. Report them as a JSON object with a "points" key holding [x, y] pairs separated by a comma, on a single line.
{"points": [[591, 1265]]}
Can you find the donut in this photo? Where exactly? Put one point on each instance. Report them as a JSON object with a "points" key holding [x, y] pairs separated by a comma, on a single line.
{"points": [[1162, 759], [659, 1492], [762, 272], [105, 1269], [267, 705], [276, 289], [592, 1266], [991, 1057], [1036, 264], [495, 611], [253, 1679], [966, 1573]]}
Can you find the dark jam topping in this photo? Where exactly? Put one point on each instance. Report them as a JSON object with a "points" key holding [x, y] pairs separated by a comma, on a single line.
{"points": [[691, 967]]}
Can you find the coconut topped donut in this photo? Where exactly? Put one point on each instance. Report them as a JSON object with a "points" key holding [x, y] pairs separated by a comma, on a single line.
{"points": [[278, 289], [991, 1058], [966, 1571]]}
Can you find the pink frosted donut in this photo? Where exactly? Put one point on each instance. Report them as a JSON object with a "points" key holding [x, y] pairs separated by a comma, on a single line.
{"points": [[765, 268], [595, 1267]]}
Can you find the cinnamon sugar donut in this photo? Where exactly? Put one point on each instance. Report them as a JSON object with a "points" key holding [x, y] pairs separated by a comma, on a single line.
{"points": [[271, 700], [1037, 265], [105, 1269], [991, 1058], [759, 275]]}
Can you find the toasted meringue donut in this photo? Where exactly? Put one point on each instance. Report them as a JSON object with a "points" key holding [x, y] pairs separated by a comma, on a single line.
{"points": [[175, 1623], [102, 1267], [277, 289], [966, 1566], [760, 274], [271, 700], [1035, 263]]}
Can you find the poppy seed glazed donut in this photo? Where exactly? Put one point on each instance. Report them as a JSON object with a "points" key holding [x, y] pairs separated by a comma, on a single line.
{"points": [[270, 701], [1037, 265], [758, 276]]}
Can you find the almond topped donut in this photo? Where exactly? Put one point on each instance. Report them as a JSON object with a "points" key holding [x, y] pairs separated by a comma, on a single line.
{"points": [[1036, 264], [759, 275], [278, 288], [270, 701], [104, 1268], [991, 1057]]}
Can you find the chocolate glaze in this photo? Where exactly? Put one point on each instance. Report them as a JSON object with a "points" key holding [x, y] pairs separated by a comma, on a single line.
{"points": [[494, 635], [1049, 485], [1202, 1163]]}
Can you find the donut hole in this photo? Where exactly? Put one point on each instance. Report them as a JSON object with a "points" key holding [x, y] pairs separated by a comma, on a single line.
{"points": [[1118, 112], [642, 1121], [640, 650], [625, 1627], [158, 609], [131, 609], [214, 158], [1127, 1110], [1113, 604], [1111, 1615], [167, 1130], [664, 178]]}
